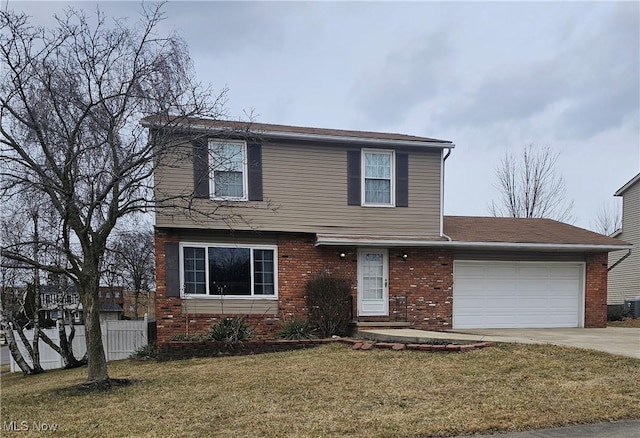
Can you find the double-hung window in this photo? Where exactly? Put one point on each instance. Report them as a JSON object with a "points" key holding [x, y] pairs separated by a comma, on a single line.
{"points": [[378, 177], [217, 270], [229, 170]]}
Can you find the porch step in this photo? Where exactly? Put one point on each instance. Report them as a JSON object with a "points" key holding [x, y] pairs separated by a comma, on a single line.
{"points": [[369, 325]]}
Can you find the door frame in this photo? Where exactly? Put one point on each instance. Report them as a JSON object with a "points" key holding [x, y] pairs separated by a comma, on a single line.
{"points": [[383, 305]]}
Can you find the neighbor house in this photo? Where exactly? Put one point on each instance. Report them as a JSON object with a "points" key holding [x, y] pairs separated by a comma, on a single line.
{"points": [[52, 296], [291, 202], [624, 274]]}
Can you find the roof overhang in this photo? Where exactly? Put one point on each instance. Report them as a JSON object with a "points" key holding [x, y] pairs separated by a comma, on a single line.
{"points": [[627, 186], [342, 240], [316, 137], [337, 138]]}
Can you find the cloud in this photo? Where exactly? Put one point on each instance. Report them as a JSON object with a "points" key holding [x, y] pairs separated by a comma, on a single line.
{"points": [[404, 77], [595, 77]]}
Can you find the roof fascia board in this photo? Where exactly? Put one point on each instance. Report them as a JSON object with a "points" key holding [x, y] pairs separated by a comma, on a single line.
{"points": [[334, 138], [346, 241], [628, 185]]}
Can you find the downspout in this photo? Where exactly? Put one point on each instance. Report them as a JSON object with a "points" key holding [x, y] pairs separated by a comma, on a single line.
{"points": [[442, 197], [619, 261]]}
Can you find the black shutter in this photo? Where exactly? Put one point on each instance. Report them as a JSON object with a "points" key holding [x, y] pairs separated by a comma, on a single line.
{"points": [[402, 180], [254, 157], [172, 269], [353, 177], [200, 168]]}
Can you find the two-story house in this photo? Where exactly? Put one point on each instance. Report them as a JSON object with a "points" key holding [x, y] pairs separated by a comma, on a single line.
{"points": [[624, 274], [289, 202]]}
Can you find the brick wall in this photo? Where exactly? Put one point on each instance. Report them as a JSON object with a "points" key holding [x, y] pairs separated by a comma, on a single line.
{"points": [[595, 301], [424, 278]]}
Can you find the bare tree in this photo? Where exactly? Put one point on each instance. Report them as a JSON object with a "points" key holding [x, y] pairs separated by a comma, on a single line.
{"points": [[71, 98], [530, 186], [608, 219], [134, 253]]}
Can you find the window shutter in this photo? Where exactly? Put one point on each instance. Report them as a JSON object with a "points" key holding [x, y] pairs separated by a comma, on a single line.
{"points": [[254, 157], [402, 180], [353, 177], [200, 168], [172, 269]]}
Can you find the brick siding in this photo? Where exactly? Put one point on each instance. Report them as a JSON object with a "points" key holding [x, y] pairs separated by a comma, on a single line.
{"points": [[595, 301]]}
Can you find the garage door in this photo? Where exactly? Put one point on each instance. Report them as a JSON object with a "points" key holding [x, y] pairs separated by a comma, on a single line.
{"points": [[517, 294]]}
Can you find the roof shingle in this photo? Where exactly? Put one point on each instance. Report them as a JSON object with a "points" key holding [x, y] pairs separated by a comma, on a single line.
{"points": [[270, 129], [521, 230]]}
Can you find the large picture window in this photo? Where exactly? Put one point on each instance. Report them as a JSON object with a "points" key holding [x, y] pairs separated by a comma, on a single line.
{"points": [[229, 169], [378, 178], [211, 270]]}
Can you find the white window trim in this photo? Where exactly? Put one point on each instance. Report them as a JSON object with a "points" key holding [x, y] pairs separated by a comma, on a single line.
{"points": [[363, 202], [207, 295], [245, 169]]}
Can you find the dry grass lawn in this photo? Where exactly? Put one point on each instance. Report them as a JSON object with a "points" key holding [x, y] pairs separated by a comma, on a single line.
{"points": [[335, 391], [626, 322]]}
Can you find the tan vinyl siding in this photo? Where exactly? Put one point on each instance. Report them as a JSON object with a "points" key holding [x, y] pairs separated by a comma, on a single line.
{"points": [[624, 279], [307, 187], [528, 256], [219, 306]]}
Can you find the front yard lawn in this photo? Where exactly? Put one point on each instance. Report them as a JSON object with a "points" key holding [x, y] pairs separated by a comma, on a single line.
{"points": [[625, 322], [334, 391]]}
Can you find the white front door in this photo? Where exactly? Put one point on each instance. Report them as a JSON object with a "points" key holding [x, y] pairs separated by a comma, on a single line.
{"points": [[373, 283]]}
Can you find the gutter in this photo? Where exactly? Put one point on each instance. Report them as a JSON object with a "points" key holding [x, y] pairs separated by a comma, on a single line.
{"points": [[442, 196], [619, 261], [348, 241], [366, 140]]}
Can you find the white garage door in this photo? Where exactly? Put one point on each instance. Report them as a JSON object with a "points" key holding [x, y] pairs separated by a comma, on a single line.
{"points": [[517, 294]]}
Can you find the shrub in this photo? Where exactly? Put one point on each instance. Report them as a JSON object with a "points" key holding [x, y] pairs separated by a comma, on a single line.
{"points": [[149, 351], [329, 302], [186, 338], [296, 329], [230, 331]]}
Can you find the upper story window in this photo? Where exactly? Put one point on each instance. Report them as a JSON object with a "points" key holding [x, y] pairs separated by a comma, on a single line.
{"points": [[229, 271], [378, 179], [228, 170]]}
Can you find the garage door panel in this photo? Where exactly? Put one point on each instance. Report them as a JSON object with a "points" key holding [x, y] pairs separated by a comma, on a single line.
{"points": [[501, 271], [517, 294]]}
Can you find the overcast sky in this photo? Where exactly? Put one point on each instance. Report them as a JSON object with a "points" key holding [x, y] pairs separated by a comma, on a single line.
{"points": [[491, 77]]}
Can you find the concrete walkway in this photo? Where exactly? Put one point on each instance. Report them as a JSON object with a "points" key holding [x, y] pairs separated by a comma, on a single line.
{"points": [[618, 429], [614, 340]]}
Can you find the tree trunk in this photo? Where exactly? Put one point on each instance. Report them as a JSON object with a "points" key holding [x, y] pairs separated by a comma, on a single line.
{"points": [[15, 352], [35, 355], [136, 294], [96, 359]]}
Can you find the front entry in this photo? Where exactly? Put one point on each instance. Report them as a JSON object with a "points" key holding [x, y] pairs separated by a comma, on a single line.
{"points": [[373, 282]]}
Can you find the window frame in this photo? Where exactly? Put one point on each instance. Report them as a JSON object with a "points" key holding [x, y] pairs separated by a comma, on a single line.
{"points": [[245, 170], [208, 295], [363, 177]]}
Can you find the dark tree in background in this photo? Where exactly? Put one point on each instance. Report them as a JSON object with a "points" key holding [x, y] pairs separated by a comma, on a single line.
{"points": [[71, 98], [608, 219], [134, 261], [531, 187]]}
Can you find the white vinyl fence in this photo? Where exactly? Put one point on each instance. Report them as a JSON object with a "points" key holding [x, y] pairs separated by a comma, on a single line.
{"points": [[120, 339]]}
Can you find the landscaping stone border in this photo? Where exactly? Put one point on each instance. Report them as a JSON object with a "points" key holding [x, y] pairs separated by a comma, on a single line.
{"points": [[369, 345], [176, 350]]}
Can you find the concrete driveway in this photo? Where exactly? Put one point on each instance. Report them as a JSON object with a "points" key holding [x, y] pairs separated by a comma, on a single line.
{"points": [[614, 340]]}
